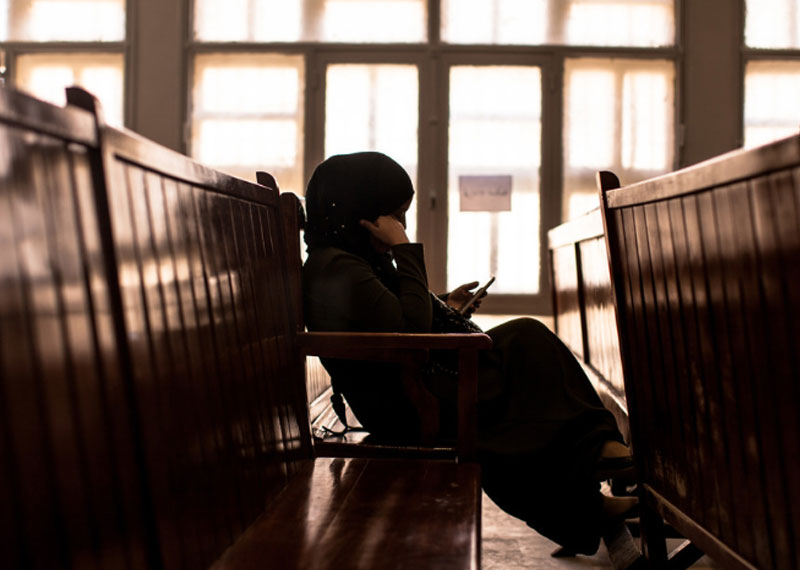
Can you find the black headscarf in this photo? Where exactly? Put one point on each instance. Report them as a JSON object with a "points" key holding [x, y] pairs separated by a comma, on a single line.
{"points": [[347, 188]]}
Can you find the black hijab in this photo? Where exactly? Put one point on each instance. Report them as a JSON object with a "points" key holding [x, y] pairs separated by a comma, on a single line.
{"points": [[347, 188]]}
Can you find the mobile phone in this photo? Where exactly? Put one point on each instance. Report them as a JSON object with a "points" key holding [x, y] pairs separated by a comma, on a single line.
{"points": [[478, 294]]}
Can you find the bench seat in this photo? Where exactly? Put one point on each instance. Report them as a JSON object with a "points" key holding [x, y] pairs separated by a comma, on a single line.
{"points": [[368, 513]]}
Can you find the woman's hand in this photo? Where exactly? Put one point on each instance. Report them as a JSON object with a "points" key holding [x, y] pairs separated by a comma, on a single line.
{"points": [[460, 295], [387, 230]]}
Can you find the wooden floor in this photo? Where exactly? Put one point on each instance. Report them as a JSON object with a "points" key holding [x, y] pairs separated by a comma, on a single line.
{"points": [[509, 544]]}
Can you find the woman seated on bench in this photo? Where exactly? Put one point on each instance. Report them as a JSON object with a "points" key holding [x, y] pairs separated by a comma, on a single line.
{"points": [[544, 438]]}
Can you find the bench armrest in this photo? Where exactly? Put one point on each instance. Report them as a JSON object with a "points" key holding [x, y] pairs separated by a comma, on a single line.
{"points": [[411, 349], [393, 346]]}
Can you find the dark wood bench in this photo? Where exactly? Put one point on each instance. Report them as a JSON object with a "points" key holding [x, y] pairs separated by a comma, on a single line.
{"points": [[152, 374], [705, 264]]}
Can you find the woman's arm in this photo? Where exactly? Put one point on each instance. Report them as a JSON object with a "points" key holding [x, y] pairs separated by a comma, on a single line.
{"points": [[342, 292]]}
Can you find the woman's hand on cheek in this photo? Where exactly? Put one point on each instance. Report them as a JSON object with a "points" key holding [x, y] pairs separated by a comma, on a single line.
{"points": [[387, 230]]}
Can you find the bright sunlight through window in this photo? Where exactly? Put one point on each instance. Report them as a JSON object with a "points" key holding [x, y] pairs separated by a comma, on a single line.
{"points": [[772, 24], [378, 21], [47, 75], [771, 92], [642, 23], [63, 20], [248, 115], [625, 125], [374, 107], [495, 131]]}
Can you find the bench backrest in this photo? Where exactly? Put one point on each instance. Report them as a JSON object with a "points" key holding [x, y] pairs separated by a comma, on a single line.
{"points": [[148, 362], [705, 264], [203, 291], [583, 305]]}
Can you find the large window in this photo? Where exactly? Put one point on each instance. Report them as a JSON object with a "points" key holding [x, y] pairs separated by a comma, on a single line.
{"points": [[47, 45], [482, 127]]}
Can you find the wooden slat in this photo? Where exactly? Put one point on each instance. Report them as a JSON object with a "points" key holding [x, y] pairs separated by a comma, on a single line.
{"points": [[601, 330], [567, 308], [678, 298], [705, 384], [737, 249], [659, 241], [768, 214]]}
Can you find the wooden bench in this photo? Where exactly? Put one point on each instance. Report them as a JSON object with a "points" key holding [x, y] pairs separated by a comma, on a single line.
{"points": [[153, 410], [705, 264]]}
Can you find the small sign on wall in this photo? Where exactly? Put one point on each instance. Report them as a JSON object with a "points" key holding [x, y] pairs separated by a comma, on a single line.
{"points": [[485, 193]]}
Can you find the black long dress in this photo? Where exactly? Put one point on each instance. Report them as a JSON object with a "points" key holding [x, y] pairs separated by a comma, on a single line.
{"points": [[541, 425]]}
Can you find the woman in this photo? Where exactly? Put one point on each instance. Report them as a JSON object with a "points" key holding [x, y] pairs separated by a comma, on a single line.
{"points": [[543, 435]]}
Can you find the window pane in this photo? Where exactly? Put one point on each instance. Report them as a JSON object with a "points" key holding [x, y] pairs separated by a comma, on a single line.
{"points": [[374, 107], [232, 20], [62, 20], [646, 23], [495, 131], [575, 22], [619, 117], [494, 21], [771, 92], [772, 23], [377, 21], [247, 115], [47, 75], [374, 21]]}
